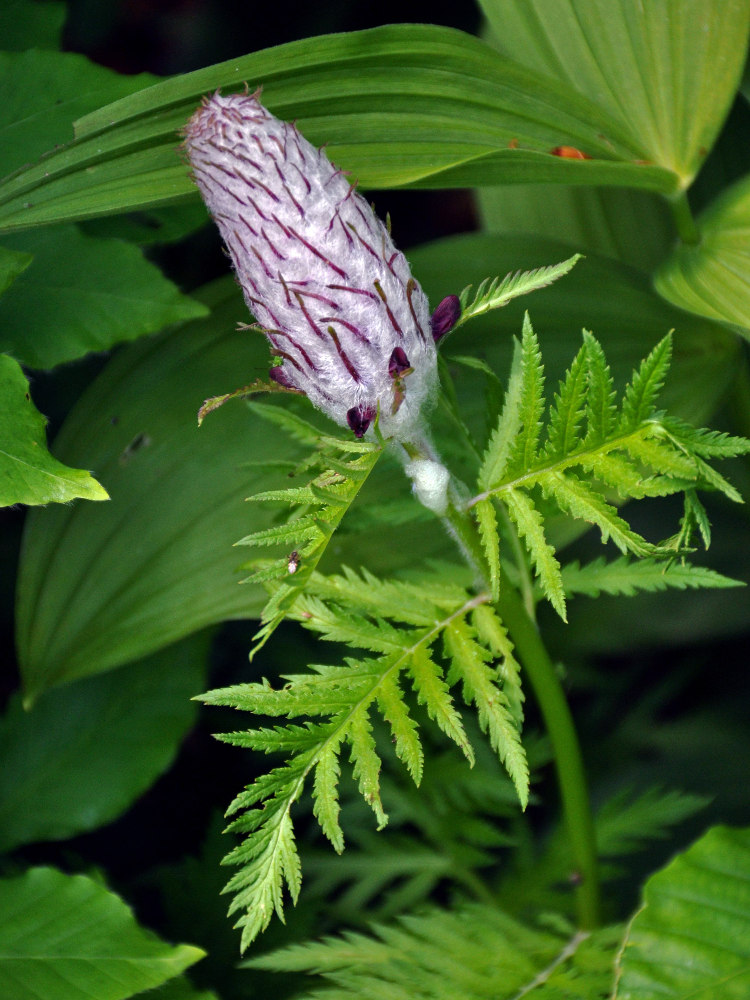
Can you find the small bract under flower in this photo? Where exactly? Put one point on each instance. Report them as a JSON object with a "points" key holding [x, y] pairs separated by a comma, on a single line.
{"points": [[318, 269]]}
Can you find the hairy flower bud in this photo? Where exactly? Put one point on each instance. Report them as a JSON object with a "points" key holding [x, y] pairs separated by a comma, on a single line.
{"points": [[445, 316], [318, 269]]}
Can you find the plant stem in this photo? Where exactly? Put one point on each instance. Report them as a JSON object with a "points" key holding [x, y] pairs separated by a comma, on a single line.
{"points": [[683, 219], [568, 759], [548, 691]]}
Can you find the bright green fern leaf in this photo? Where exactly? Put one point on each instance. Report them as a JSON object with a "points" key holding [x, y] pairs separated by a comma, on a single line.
{"points": [[499, 292], [337, 470], [400, 625], [474, 951], [587, 444]]}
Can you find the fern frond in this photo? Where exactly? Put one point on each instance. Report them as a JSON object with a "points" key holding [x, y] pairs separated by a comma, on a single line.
{"points": [[408, 622], [338, 468], [498, 292], [472, 951], [443, 833], [569, 408], [532, 403], [577, 498], [641, 393], [623, 576], [530, 527], [471, 664], [703, 442], [487, 521], [626, 822], [601, 399], [503, 438], [632, 449]]}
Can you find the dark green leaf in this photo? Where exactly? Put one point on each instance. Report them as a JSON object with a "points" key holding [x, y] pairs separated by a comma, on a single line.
{"points": [[26, 24], [28, 472], [82, 754], [83, 294], [67, 937], [42, 93], [692, 936], [12, 263], [634, 227], [396, 105], [159, 564]]}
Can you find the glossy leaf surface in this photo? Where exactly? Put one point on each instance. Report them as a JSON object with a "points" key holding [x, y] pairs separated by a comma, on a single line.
{"points": [[712, 278], [67, 937], [82, 754], [397, 105], [28, 472], [669, 69]]}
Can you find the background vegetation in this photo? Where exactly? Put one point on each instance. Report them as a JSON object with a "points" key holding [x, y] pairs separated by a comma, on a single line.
{"points": [[119, 309]]}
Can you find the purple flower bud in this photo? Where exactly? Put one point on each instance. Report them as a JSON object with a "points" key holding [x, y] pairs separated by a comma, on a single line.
{"points": [[399, 363], [445, 316], [359, 419], [318, 269]]}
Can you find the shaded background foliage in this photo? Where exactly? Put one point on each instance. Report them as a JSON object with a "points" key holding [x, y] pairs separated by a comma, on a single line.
{"points": [[646, 711]]}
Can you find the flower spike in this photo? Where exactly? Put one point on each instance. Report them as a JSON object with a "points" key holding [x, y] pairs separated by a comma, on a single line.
{"points": [[318, 269]]}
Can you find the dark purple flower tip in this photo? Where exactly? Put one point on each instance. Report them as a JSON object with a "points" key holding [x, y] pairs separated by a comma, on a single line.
{"points": [[445, 316], [399, 363], [359, 418], [280, 377]]}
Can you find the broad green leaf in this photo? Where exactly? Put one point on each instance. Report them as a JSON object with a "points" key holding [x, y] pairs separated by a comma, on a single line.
{"points": [[83, 294], [67, 937], [615, 302], [396, 105], [182, 989], [26, 24], [159, 225], [29, 474], [712, 278], [41, 93], [83, 753], [12, 263], [634, 227], [691, 938], [98, 592], [667, 68]]}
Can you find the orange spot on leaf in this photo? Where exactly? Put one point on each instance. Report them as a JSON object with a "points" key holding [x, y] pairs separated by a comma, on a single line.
{"points": [[569, 153]]}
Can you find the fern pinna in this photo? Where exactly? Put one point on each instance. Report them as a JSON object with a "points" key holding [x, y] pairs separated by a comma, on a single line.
{"points": [[431, 636], [585, 447]]}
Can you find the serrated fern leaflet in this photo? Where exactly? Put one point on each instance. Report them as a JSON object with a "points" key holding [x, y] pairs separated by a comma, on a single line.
{"points": [[431, 639], [335, 473], [588, 446]]}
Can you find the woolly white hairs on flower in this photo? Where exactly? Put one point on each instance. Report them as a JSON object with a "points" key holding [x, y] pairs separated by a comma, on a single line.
{"points": [[430, 481], [318, 269]]}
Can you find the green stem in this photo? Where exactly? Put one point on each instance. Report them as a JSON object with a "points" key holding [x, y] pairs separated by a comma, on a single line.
{"points": [[558, 721], [567, 750], [683, 219]]}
